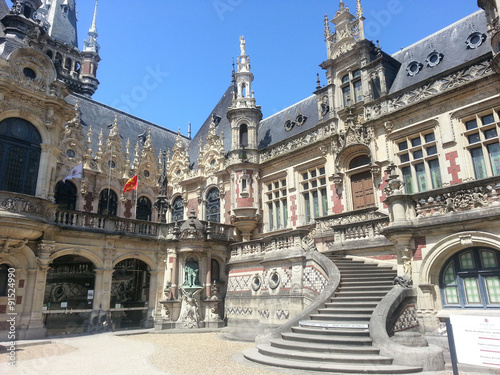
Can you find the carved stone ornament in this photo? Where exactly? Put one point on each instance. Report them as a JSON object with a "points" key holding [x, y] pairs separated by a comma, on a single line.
{"points": [[403, 281]]}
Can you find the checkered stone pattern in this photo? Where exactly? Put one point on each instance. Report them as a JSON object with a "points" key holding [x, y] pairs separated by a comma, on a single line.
{"points": [[239, 284], [264, 313], [286, 278], [282, 314], [314, 280], [239, 311], [407, 319]]}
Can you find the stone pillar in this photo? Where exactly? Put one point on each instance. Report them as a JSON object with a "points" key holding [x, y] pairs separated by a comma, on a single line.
{"points": [[208, 279], [29, 293], [175, 274], [152, 299], [426, 308]]}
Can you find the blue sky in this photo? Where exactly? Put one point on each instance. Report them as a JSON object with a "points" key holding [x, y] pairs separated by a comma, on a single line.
{"points": [[169, 61]]}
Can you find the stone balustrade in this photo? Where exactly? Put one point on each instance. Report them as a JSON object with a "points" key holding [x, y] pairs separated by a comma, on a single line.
{"points": [[457, 198]]}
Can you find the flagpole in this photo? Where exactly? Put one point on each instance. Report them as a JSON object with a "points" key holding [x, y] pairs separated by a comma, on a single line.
{"points": [[136, 188], [109, 180]]}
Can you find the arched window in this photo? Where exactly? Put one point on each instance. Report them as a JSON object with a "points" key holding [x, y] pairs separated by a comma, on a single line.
{"points": [[215, 270], [213, 206], [243, 135], [177, 209], [359, 161], [471, 278], [19, 156], [108, 203], [65, 195], [361, 183], [4, 277], [143, 209]]}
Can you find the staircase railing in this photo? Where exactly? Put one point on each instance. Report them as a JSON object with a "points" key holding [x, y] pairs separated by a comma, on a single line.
{"points": [[333, 274], [430, 358]]}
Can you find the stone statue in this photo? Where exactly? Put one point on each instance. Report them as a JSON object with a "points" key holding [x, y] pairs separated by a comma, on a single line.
{"points": [[190, 310], [191, 274], [242, 46]]}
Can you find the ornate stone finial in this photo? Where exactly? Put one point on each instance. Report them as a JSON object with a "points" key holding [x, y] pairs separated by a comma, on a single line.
{"points": [[90, 44], [318, 82], [359, 9], [341, 5], [242, 46], [327, 27]]}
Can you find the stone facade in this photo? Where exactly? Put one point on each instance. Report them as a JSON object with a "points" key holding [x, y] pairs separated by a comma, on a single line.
{"points": [[395, 160]]}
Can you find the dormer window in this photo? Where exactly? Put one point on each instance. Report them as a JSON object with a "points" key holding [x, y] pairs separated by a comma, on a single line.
{"points": [[352, 88]]}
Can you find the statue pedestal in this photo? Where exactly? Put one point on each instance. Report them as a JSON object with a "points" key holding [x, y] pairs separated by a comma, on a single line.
{"points": [[172, 308], [211, 309], [190, 314]]}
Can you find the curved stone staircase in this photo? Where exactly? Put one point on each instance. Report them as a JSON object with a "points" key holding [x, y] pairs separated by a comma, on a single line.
{"points": [[337, 337]]}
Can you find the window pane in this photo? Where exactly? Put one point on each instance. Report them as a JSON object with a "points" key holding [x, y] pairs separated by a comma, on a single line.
{"points": [[346, 94], [271, 215], [435, 173], [416, 142], [472, 124], [472, 290], [418, 154], [356, 73], [358, 96], [316, 203], [345, 78], [403, 146], [322, 170], [404, 158], [449, 275], [305, 176], [490, 133], [313, 173], [451, 295], [324, 199], [494, 153], [429, 137], [493, 289], [488, 119], [285, 213], [478, 163], [421, 179], [278, 215], [408, 180], [307, 207], [432, 150], [474, 138], [488, 259], [466, 261]]}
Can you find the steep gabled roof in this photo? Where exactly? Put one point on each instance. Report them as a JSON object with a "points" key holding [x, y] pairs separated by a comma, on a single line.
{"points": [[451, 46], [219, 111], [272, 129], [101, 116]]}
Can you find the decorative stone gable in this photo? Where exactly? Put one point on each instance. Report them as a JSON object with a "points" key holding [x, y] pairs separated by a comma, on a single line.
{"points": [[145, 163], [72, 140], [178, 166], [211, 156], [110, 157]]}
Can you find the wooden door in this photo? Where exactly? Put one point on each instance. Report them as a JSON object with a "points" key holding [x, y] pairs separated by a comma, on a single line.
{"points": [[362, 190]]}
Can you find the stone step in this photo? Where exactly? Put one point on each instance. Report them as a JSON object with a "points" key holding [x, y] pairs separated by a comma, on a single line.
{"points": [[368, 359], [337, 332], [354, 293], [367, 277], [254, 355], [339, 323], [367, 288], [360, 310], [340, 316], [355, 299], [348, 282], [324, 347], [375, 272], [327, 339], [352, 306]]}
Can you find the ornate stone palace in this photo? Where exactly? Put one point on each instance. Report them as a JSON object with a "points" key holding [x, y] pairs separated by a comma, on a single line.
{"points": [[394, 162]]}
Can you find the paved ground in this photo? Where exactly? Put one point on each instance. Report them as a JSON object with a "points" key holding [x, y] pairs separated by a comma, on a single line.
{"points": [[138, 353]]}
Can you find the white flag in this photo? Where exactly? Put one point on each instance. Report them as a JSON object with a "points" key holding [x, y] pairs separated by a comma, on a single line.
{"points": [[76, 172]]}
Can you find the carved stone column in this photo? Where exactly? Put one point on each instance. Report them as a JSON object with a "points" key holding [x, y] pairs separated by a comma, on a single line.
{"points": [[175, 273], [208, 279], [426, 308]]}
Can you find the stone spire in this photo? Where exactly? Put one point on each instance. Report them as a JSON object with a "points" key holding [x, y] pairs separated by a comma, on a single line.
{"points": [[91, 44]]}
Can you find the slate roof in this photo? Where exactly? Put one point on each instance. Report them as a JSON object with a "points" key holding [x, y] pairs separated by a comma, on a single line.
{"points": [[451, 43], [220, 111], [272, 129], [100, 116], [63, 24]]}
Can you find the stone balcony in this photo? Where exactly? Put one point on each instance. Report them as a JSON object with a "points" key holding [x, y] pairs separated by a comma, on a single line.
{"points": [[25, 217]]}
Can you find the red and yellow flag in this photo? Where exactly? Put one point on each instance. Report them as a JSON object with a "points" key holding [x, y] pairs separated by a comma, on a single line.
{"points": [[130, 185]]}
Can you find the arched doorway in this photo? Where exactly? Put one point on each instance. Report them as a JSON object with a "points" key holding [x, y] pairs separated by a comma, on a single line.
{"points": [[19, 156], [69, 295], [130, 293], [65, 195]]}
